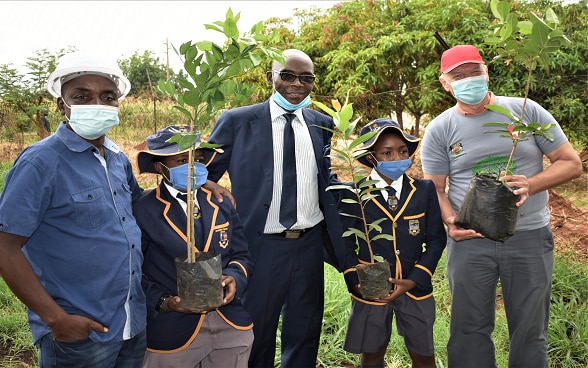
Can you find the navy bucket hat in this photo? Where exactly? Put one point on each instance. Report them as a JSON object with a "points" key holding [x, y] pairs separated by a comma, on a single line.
{"points": [[380, 125], [157, 145]]}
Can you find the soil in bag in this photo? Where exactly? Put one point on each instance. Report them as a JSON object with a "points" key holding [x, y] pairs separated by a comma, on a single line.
{"points": [[489, 207], [373, 279], [199, 283]]}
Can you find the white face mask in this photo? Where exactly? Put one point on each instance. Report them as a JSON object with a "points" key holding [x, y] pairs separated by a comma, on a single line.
{"points": [[92, 121]]}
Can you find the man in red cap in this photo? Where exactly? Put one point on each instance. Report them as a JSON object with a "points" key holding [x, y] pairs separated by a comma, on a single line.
{"points": [[455, 148]]}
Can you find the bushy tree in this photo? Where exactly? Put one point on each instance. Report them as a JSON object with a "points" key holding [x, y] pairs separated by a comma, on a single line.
{"points": [[26, 95], [140, 68], [384, 53]]}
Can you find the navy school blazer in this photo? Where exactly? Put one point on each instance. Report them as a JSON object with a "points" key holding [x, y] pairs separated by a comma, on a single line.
{"points": [[415, 224], [163, 226]]}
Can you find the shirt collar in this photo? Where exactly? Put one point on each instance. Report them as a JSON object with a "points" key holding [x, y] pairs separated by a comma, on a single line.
{"points": [[78, 144], [277, 111], [396, 184], [174, 192]]}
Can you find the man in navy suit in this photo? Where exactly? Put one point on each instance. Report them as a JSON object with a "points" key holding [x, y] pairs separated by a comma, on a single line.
{"points": [[176, 337], [288, 273]]}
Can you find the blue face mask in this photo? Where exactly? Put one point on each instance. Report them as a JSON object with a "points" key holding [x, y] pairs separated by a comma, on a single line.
{"points": [[470, 90], [281, 101], [92, 121], [393, 169], [178, 176]]}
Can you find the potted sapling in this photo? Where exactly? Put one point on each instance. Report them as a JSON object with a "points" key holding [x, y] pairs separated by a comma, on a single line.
{"points": [[211, 85], [489, 205], [374, 273]]}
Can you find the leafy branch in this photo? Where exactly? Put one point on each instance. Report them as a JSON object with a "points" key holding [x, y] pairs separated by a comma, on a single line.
{"points": [[212, 78], [528, 43], [345, 155]]}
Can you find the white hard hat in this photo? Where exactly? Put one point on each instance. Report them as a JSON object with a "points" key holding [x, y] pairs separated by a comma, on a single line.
{"points": [[73, 65]]}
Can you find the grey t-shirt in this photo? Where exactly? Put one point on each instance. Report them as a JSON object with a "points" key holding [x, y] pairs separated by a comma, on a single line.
{"points": [[459, 146]]}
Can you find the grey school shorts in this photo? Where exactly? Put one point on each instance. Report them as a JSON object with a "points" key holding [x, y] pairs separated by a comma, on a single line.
{"points": [[370, 326]]}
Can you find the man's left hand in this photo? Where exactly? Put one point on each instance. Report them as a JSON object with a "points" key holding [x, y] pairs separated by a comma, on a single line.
{"points": [[218, 191]]}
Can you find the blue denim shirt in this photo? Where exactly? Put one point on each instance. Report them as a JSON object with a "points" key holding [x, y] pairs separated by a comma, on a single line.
{"points": [[83, 241]]}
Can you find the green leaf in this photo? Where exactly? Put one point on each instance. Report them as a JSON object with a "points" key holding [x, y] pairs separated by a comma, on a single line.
{"points": [[525, 27], [374, 227], [187, 141], [212, 27], [209, 145], [361, 139], [191, 53], [355, 232], [378, 258], [349, 215], [339, 187], [500, 9], [324, 107], [204, 45], [383, 236], [500, 109], [368, 183]]}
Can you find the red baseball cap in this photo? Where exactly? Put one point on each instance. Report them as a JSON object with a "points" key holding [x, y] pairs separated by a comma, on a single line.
{"points": [[458, 55]]}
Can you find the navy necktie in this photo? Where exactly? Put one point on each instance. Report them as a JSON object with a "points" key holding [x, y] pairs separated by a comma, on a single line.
{"points": [[288, 202], [392, 200], [198, 226], [184, 197]]}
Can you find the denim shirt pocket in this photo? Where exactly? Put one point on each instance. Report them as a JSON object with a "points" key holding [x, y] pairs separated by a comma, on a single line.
{"points": [[91, 207]]}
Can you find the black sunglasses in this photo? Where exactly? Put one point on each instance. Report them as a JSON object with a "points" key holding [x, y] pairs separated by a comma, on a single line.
{"points": [[289, 77]]}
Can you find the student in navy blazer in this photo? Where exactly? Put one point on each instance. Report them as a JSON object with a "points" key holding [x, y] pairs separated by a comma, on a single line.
{"points": [[177, 338], [288, 274], [412, 216]]}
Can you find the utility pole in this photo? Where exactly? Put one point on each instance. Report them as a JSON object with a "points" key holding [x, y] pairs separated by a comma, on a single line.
{"points": [[167, 59]]}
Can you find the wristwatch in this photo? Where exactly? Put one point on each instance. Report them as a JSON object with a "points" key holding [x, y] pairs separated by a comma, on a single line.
{"points": [[160, 302]]}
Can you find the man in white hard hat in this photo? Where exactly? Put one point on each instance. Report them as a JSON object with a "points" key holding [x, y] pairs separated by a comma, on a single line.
{"points": [[70, 248]]}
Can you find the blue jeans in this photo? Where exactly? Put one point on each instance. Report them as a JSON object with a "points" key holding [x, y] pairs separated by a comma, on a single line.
{"points": [[90, 354]]}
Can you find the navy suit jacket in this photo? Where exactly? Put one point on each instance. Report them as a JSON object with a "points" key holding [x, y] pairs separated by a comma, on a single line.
{"points": [[245, 134], [415, 223], [163, 225]]}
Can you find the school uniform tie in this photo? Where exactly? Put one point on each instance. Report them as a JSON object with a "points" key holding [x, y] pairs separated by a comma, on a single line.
{"points": [[288, 201], [392, 200], [198, 226], [184, 197]]}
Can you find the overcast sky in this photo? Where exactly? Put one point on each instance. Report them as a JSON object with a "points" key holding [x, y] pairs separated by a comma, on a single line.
{"points": [[119, 28]]}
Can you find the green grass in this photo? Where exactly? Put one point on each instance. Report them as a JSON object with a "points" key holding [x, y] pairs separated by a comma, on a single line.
{"points": [[568, 326], [15, 335]]}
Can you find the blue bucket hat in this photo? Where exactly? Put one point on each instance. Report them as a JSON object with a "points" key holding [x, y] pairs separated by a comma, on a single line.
{"points": [[380, 125], [157, 145]]}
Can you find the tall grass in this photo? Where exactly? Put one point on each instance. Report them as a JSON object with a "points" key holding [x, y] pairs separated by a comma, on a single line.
{"points": [[15, 336]]}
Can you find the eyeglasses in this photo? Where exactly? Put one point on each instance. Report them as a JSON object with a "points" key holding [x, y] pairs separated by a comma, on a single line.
{"points": [[289, 77]]}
